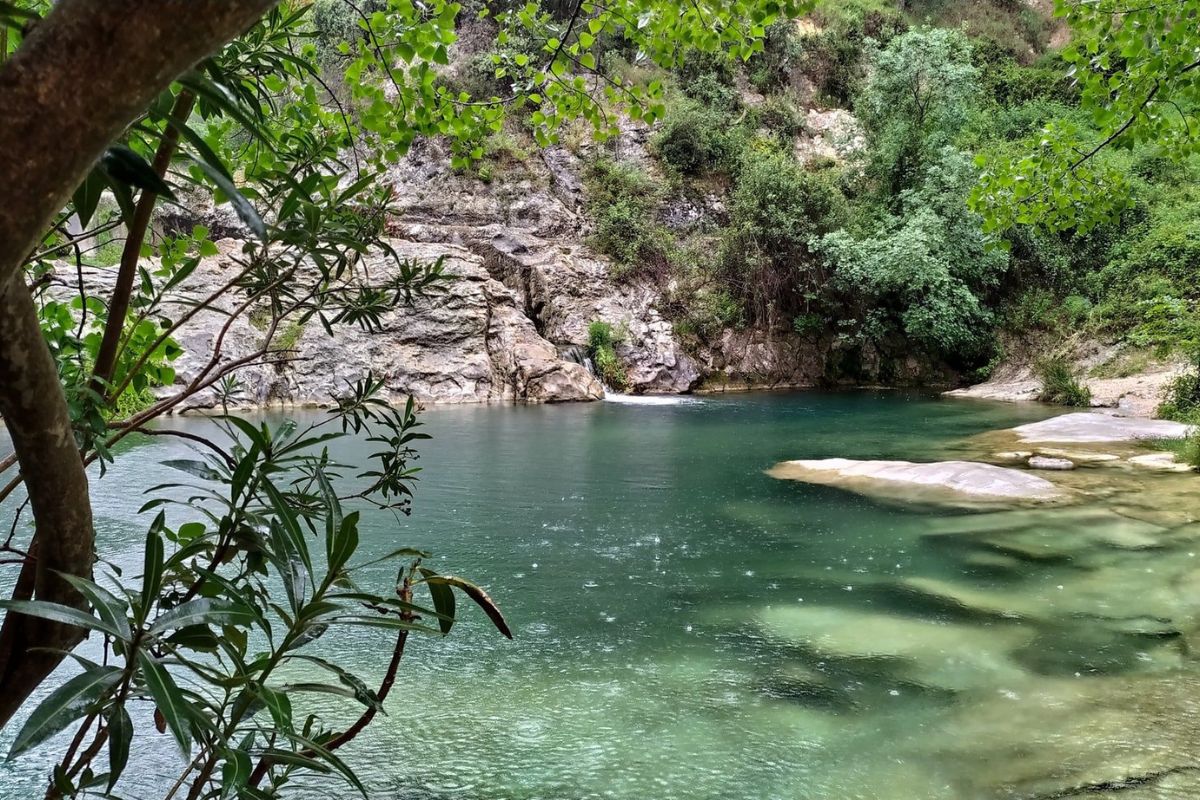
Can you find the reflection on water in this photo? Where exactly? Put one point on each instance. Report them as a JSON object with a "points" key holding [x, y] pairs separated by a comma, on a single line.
{"points": [[688, 627]]}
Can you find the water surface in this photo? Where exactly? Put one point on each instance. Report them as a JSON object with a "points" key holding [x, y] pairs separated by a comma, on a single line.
{"points": [[688, 627]]}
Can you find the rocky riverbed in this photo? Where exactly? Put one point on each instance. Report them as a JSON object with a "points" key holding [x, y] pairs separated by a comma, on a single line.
{"points": [[1049, 596]]}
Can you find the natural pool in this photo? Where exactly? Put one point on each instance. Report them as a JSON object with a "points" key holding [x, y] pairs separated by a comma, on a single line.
{"points": [[688, 627]]}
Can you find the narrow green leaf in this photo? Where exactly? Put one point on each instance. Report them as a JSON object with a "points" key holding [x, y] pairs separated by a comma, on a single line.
{"points": [[63, 706], [111, 610], [443, 601], [198, 469], [167, 697], [152, 565], [279, 705], [203, 611], [235, 773], [120, 734], [56, 612], [123, 165], [244, 209]]}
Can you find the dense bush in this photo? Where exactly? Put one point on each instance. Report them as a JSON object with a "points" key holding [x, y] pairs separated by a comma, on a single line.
{"points": [[623, 202], [695, 139], [1181, 398], [833, 59], [780, 115], [922, 274], [777, 212], [1060, 386]]}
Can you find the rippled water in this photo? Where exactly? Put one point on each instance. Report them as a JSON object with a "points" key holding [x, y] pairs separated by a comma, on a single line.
{"points": [[688, 627]]}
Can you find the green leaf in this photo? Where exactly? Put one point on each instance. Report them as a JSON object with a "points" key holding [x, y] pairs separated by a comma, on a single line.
{"points": [[195, 468], [152, 564], [205, 152], [111, 610], [235, 773], [291, 527], [63, 706], [120, 734], [203, 611], [87, 197], [279, 705], [124, 165], [480, 597], [245, 211], [167, 697], [443, 601], [56, 612]]}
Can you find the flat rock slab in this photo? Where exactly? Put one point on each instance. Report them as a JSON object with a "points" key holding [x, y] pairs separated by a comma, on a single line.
{"points": [[939, 480], [1097, 427]]}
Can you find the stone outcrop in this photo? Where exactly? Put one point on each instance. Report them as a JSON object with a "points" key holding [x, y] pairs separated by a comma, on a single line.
{"points": [[952, 482], [470, 342], [528, 226], [1086, 427]]}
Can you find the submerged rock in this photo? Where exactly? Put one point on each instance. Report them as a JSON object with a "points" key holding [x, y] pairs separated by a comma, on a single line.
{"points": [[931, 653], [936, 481], [1099, 427], [1050, 463]]}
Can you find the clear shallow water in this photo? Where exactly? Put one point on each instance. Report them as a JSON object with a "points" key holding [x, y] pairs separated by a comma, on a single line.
{"points": [[688, 627]]}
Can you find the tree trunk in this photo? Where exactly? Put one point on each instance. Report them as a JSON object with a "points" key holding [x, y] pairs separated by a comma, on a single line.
{"points": [[78, 80], [35, 412]]}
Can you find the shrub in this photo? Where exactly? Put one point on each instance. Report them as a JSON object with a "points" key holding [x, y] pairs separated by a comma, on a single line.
{"points": [[917, 100], [1181, 397], [694, 139], [809, 324], [336, 22], [714, 91], [782, 206], [777, 210], [1076, 309], [780, 115], [602, 341], [623, 201], [1060, 386]]}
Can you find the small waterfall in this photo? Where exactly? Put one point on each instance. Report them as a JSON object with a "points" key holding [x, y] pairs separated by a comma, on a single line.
{"points": [[578, 354]]}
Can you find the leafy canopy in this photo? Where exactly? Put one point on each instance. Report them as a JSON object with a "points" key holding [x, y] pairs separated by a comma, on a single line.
{"points": [[1137, 66]]}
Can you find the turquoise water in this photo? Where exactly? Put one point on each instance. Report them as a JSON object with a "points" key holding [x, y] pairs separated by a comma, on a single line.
{"points": [[688, 627]]}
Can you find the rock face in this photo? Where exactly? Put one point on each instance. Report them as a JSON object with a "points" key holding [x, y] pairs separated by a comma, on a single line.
{"points": [[945, 481], [529, 228], [1098, 427], [470, 343]]}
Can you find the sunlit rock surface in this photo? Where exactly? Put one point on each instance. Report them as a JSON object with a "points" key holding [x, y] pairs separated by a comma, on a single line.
{"points": [[946, 481], [1098, 427]]}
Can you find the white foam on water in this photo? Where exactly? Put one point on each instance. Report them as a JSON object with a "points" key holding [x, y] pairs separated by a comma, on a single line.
{"points": [[650, 399]]}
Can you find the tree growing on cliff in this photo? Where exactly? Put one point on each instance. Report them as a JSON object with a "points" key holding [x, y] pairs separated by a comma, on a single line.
{"points": [[1137, 66], [149, 100]]}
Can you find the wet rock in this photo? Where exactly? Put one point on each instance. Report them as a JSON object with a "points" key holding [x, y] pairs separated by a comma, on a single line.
{"points": [[1079, 456], [1099, 427], [944, 481], [1013, 456], [1163, 462], [1046, 462]]}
